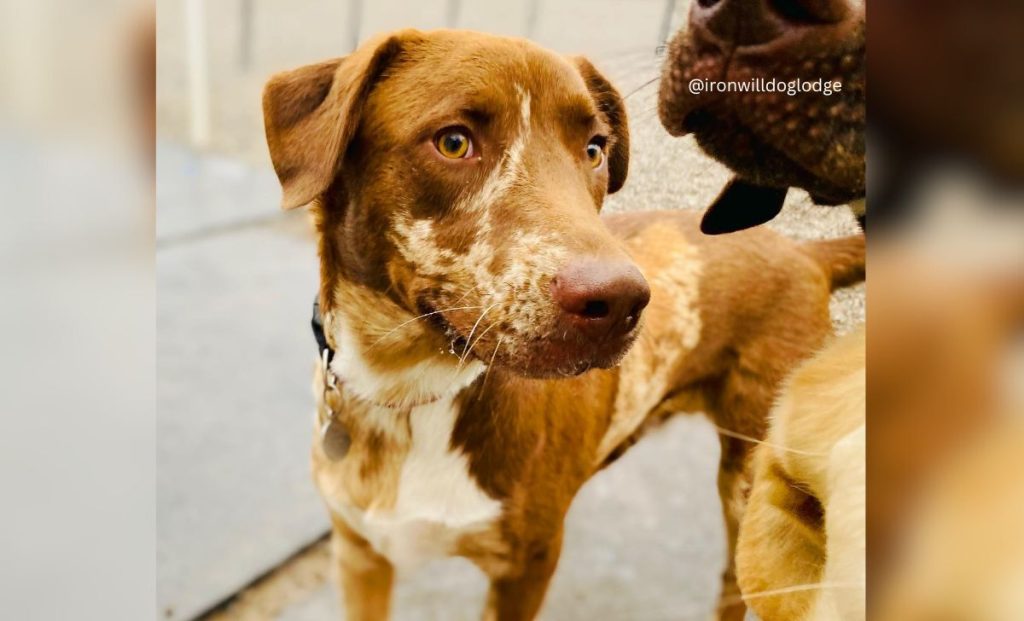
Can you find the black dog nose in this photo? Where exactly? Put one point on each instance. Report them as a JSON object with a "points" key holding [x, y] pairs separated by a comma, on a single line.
{"points": [[751, 22], [602, 297]]}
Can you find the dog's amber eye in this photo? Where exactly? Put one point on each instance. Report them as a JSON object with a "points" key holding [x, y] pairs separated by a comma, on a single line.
{"points": [[454, 144], [595, 152]]}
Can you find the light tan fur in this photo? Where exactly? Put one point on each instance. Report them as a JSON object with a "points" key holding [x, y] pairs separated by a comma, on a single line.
{"points": [[801, 547]]}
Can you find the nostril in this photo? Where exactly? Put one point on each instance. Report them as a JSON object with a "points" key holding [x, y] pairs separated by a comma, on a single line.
{"points": [[595, 309], [793, 11], [753, 22], [600, 294], [809, 11]]}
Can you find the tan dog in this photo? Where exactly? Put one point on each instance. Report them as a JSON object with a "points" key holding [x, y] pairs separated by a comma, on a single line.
{"points": [[480, 310], [791, 562]]}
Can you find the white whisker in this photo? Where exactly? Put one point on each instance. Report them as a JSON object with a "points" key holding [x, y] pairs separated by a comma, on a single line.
{"points": [[740, 436], [405, 323], [796, 588], [469, 339], [469, 347], [646, 84], [491, 363]]}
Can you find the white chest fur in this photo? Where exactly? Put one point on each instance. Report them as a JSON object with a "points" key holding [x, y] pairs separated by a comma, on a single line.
{"points": [[438, 501]]}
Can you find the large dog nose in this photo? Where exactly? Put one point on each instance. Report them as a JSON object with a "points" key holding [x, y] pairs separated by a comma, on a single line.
{"points": [[602, 297], [751, 22]]}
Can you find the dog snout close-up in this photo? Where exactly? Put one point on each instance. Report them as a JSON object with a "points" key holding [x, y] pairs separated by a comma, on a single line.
{"points": [[601, 301], [774, 89]]}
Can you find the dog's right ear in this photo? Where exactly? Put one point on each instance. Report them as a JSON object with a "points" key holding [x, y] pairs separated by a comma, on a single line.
{"points": [[611, 104], [310, 115]]}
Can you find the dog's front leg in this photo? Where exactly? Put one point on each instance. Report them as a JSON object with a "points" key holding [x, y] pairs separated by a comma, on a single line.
{"points": [[364, 576], [780, 543], [518, 597]]}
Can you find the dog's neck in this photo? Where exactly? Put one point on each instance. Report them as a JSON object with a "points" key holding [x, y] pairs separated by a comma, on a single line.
{"points": [[387, 356]]}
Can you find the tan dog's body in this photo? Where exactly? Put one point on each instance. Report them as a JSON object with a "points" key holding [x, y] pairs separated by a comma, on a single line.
{"points": [[801, 548], [475, 407]]}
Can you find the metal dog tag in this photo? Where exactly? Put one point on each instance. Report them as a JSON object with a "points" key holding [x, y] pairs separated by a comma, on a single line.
{"points": [[335, 440]]}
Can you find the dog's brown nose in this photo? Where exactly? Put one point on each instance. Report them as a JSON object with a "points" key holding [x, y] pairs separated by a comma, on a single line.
{"points": [[751, 22], [601, 297]]}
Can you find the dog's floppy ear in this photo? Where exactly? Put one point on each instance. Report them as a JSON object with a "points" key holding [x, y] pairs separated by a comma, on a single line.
{"points": [[610, 103], [310, 115], [741, 205]]}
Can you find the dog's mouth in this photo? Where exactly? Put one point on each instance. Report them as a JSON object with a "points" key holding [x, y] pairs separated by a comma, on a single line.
{"points": [[722, 134], [553, 353], [559, 355], [458, 344]]}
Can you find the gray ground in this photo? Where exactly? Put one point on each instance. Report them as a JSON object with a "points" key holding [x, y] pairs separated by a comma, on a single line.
{"points": [[236, 278]]}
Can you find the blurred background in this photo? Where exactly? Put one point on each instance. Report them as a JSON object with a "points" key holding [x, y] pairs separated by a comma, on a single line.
{"points": [[236, 277], [945, 347], [77, 302]]}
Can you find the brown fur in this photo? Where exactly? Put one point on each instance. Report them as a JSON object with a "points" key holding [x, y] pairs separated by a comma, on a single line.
{"points": [[442, 268], [807, 140]]}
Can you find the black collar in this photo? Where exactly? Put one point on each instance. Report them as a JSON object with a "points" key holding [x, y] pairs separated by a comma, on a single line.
{"points": [[318, 332]]}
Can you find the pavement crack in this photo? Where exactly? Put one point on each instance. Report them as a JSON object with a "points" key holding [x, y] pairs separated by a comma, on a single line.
{"points": [[291, 581]]}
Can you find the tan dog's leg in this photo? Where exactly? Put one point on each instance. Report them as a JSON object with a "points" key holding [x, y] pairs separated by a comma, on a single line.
{"points": [[732, 489], [781, 543], [519, 598], [364, 577]]}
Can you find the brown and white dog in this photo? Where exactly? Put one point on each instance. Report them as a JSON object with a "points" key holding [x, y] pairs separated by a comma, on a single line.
{"points": [[481, 309]]}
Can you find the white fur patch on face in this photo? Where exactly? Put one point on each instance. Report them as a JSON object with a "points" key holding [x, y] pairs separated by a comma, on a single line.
{"points": [[518, 148], [645, 372], [438, 500], [536, 254], [418, 246], [510, 168]]}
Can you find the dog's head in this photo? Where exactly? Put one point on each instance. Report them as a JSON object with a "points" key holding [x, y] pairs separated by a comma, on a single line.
{"points": [[457, 179], [773, 140]]}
